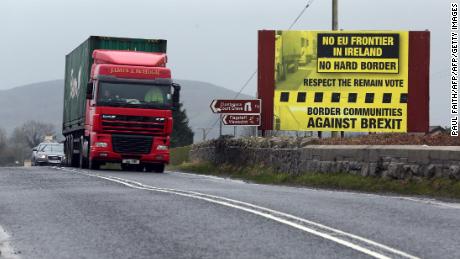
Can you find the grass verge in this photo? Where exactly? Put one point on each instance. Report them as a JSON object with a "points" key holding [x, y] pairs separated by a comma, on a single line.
{"points": [[440, 188], [179, 155]]}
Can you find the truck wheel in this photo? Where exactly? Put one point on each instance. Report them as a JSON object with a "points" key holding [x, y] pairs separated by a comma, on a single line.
{"points": [[83, 162], [157, 168], [93, 164], [126, 167], [160, 168], [140, 168]]}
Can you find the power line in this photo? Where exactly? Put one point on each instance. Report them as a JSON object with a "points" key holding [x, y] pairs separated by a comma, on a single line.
{"points": [[309, 2], [301, 13]]}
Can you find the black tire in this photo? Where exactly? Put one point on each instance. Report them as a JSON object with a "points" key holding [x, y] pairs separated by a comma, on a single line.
{"points": [[93, 164], [126, 167], [157, 168], [140, 168], [74, 158], [83, 161], [160, 168]]}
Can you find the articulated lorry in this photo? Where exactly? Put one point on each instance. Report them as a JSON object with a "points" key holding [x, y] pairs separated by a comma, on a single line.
{"points": [[118, 102]]}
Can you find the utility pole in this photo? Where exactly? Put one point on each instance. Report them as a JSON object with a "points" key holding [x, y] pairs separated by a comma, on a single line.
{"points": [[335, 27], [205, 131], [335, 15]]}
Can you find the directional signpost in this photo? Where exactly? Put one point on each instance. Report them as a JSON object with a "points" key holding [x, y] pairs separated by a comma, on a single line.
{"points": [[238, 112], [241, 120], [236, 106]]}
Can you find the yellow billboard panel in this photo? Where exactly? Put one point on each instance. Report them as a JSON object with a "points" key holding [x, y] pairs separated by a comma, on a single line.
{"points": [[341, 81]]}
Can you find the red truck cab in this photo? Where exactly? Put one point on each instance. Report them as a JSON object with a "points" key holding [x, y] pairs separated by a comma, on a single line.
{"points": [[130, 98]]}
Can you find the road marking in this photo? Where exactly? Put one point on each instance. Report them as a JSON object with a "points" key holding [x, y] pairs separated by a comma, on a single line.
{"points": [[433, 202], [212, 177], [6, 251], [349, 240]]}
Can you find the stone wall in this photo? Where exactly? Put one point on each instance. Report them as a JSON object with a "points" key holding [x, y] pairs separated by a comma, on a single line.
{"points": [[396, 162]]}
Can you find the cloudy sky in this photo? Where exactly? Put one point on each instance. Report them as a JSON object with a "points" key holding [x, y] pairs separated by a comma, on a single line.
{"points": [[208, 40]]}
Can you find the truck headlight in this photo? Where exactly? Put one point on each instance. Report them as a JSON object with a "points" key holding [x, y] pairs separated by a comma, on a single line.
{"points": [[162, 147], [101, 144]]}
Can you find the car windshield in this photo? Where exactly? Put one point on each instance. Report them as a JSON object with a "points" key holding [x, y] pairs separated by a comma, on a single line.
{"points": [[134, 95], [53, 148]]}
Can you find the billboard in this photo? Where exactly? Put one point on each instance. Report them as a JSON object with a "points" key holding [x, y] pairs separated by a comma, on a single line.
{"points": [[354, 81]]}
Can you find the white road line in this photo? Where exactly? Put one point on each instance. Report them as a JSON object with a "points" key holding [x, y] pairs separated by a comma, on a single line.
{"points": [[433, 202], [6, 251], [196, 176], [321, 230]]}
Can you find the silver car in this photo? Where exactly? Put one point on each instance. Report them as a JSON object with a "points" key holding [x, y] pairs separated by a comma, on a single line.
{"points": [[48, 154]]}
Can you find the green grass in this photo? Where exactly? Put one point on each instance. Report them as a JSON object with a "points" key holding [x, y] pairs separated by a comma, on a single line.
{"points": [[179, 155], [442, 188]]}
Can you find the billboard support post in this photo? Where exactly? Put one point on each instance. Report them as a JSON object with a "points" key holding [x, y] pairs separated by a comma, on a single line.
{"points": [[335, 26]]}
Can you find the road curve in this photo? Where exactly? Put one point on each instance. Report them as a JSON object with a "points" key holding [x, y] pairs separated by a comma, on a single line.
{"points": [[70, 213]]}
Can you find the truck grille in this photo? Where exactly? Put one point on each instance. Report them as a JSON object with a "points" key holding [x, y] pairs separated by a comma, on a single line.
{"points": [[132, 144], [133, 124]]}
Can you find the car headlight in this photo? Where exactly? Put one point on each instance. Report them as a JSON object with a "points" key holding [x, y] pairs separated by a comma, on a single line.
{"points": [[42, 156], [101, 144], [162, 147]]}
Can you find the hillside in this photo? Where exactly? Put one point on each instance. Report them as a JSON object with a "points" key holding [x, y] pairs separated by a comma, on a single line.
{"points": [[43, 102]]}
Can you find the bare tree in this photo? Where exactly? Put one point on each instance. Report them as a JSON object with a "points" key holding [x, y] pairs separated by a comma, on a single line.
{"points": [[31, 133]]}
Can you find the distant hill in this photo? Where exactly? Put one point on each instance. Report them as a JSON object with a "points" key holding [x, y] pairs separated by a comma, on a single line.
{"points": [[43, 102]]}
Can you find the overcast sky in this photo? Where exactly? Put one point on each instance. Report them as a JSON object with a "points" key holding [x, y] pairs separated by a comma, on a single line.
{"points": [[208, 40]]}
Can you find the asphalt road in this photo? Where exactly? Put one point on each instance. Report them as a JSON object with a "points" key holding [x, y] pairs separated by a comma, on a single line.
{"points": [[69, 213]]}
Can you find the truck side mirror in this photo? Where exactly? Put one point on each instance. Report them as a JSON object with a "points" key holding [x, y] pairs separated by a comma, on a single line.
{"points": [[176, 95], [89, 90]]}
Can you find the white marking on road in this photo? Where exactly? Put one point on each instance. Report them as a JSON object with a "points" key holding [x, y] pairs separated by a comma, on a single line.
{"points": [[196, 176], [434, 202], [6, 251], [431, 202], [355, 242]]}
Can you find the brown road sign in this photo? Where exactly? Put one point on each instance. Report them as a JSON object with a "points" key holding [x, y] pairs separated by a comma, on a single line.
{"points": [[236, 106], [241, 120]]}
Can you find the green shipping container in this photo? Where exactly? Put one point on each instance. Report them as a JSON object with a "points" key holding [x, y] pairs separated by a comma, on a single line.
{"points": [[78, 70]]}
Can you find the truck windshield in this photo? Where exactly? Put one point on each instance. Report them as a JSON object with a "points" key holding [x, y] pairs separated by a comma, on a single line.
{"points": [[134, 95]]}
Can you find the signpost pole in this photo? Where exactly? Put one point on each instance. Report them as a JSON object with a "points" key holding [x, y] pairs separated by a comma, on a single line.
{"points": [[220, 125]]}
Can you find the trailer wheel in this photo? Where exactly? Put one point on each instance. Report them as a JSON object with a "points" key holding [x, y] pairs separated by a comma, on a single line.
{"points": [[74, 159], [83, 161]]}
